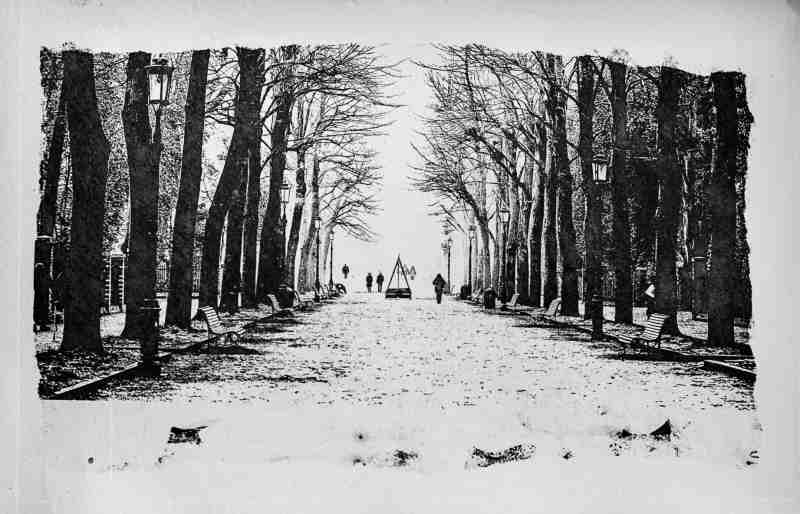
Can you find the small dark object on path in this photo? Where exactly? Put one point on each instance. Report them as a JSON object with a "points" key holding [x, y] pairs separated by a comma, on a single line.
{"points": [[402, 457], [483, 458], [185, 435], [663, 432], [624, 434], [567, 455]]}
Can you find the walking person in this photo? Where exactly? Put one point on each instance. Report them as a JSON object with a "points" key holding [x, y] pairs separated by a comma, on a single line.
{"points": [[345, 271], [369, 282], [379, 280], [438, 287], [650, 297]]}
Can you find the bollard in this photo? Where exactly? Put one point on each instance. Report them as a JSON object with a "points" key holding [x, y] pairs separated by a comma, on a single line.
{"points": [[597, 317], [149, 343]]}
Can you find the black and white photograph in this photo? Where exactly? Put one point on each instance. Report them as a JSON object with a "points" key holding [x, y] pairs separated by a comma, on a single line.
{"points": [[466, 267]]}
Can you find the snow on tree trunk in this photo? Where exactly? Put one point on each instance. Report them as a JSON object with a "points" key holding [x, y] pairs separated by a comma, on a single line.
{"points": [[179, 301], [722, 205], [51, 171], [307, 270], [89, 150], [670, 181], [144, 153], [621, 230]]}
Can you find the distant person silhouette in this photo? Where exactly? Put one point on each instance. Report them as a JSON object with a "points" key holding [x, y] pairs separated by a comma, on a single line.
{"points": [[379, 280], [345, 271], [369, 282], [438, 287]]}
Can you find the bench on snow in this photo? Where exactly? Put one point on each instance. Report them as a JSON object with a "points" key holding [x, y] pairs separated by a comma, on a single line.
{"points": [[511, 305], [276, 306], [214, 324], [304, 301], [652, 331]]}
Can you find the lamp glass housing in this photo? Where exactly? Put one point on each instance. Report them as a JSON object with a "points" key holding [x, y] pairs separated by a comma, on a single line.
{"points": [[600, 169], [159, 76]]}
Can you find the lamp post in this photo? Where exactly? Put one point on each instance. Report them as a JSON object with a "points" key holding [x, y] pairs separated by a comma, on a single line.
{"points": [[285, 191], [449, 246], [504, 217], [159, 75], [330, 280], [599, 176], [317, 225], [471, 236]]}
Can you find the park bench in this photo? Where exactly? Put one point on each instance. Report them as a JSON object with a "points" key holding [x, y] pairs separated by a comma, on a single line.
{"points": [[551, 311], [276, 306], [214, 324], [511, 305], [651, 334], [477, 297], [304, 301]]}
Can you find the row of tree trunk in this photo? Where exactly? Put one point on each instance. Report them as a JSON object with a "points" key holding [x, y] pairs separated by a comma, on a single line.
{"points": [[542, 229]]}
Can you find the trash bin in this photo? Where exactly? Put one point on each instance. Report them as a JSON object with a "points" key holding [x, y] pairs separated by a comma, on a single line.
{"points": [[149, 343], [464, 293], [489, 298]]}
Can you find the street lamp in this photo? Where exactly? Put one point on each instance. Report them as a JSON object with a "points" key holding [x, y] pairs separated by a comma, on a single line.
{"points": [[600, 169], [330, 281], [448, 245], [286, 190], [504, 216], [471, 236], [317, 224]]}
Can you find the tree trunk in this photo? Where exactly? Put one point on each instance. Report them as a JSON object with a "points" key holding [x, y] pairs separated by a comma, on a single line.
{"points": [[144, 153], [592, 232], [670, 180], [231, 271], [537, 219], [623, 290], [250, 268], [52, 172], [249, 103], [179, 302], [551, 191], [306, 273], [566, 227], [89, 149], [722, 204], [297, 219], [272, 250]]}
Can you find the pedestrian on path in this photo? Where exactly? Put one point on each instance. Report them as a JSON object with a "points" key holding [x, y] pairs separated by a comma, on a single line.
{"points": [[650, 298], [438, 287], [369, 282], [345, 271], [379, 280]]}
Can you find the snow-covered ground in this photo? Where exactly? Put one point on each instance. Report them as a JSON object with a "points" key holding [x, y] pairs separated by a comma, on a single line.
{"points": [[312, 423]]}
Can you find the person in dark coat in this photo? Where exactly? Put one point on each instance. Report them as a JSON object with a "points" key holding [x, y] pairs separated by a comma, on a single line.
{"points": [[345, 271], [438, 287], [379, 280], [369, 282]]}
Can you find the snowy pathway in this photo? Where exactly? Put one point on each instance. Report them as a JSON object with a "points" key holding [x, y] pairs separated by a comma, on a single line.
{"points": [[309, 416]]}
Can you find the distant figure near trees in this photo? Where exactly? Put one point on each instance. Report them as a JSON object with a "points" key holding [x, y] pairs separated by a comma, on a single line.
{"points": [[369, 282], [345, 271], [379, 280], [438, 287]]}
